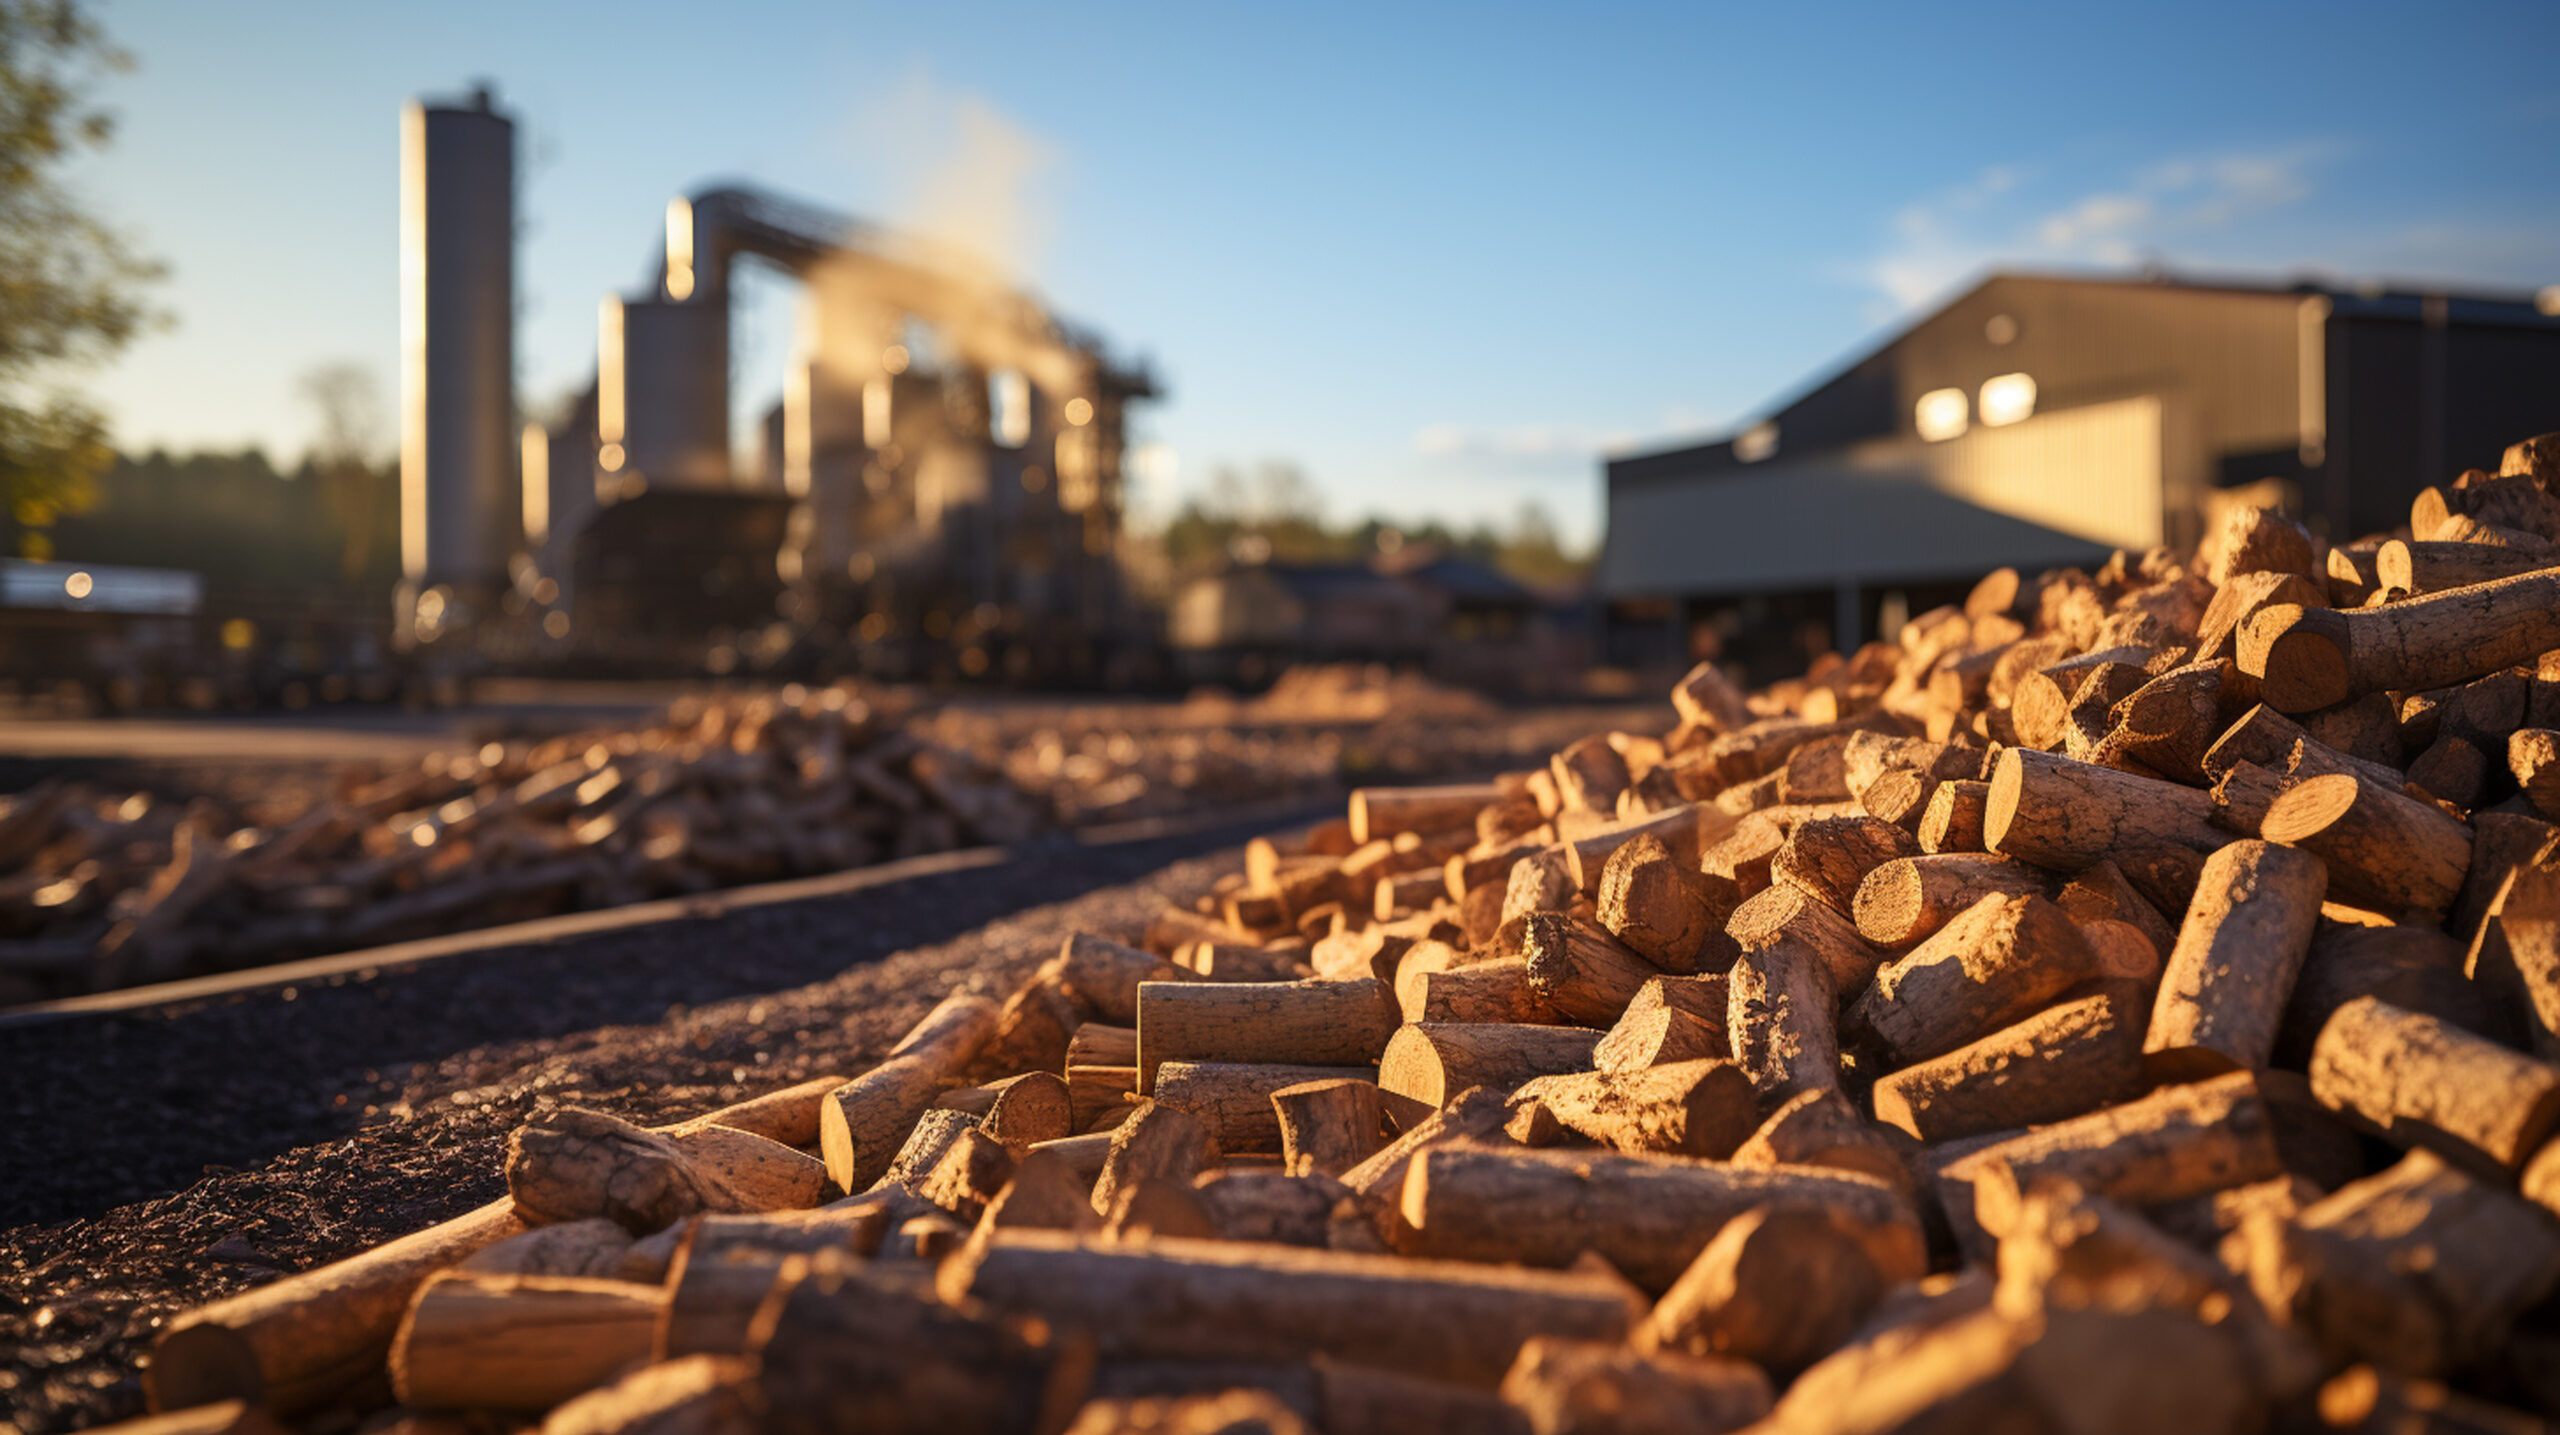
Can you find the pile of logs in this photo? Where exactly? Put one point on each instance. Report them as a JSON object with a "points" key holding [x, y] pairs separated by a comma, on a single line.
{"points": [[2129, 1002], [105, 890]]}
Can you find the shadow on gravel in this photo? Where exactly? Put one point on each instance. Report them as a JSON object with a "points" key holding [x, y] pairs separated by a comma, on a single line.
{"points": [[107, 1109]]}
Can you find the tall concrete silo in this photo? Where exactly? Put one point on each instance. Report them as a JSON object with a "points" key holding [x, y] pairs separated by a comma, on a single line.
{"points": [[459, 506]]}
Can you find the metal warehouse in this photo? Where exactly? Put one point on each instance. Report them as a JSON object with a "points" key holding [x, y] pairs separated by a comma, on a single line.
{"points": [[2042, 420]]}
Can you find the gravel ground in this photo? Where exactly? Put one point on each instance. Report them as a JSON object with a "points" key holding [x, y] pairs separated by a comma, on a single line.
{"points": [[161, 1158]]}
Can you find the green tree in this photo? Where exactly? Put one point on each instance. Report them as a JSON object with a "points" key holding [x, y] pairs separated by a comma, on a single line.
{"points": [[68, 284]]}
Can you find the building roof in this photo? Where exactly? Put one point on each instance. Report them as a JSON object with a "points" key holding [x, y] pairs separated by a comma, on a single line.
{"points": [[1772, 526], [2358, 300]]}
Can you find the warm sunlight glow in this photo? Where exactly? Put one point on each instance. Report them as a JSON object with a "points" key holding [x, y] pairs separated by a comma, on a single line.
{"points": [[536, 468], [1943, 414], [2008, 399]]}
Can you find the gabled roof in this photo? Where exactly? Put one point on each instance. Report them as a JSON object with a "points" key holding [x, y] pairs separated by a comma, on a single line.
{"points": [[1781, 524]]}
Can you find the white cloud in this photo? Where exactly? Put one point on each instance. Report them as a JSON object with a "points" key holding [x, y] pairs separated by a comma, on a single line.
{"points": [[1524, 447], [2005, 214]]}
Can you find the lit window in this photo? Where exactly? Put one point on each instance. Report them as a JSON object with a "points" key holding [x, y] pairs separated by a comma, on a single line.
{"points": [[2548, 300], [1943, 414], [1009, 407], [1757, 442], [2008, 399]]}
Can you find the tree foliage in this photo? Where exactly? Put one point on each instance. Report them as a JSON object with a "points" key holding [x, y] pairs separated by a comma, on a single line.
{"points": [[68, 284], [1273, 512]]}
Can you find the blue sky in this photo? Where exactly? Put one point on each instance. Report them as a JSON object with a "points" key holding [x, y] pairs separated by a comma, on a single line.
{"points": [[1439, 256]]}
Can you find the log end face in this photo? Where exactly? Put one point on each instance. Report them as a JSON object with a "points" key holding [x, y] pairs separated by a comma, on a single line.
{"points": [[2308, 808], [201, 1363], [2000, 809], [2300, 657]]}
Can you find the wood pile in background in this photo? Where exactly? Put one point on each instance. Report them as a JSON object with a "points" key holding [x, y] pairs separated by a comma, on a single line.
{"points": [[112, 889], [2050, 1020]]}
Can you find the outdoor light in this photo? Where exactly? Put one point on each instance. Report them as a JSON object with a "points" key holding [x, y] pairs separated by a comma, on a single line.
{"points": [[78, 585], [2008, 399], [1756, 442], [2001, 329], [1942, 414]]}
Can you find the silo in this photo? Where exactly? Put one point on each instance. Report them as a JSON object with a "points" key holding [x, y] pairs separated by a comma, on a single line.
{"points": [[459, 507]]}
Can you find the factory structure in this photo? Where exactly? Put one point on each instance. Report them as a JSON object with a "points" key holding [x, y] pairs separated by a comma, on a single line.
{"points": [[939, 485], [2037, 421]]}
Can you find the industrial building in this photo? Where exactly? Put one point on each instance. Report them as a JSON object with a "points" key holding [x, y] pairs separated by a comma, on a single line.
{"points": [[2041, 420], [940, 483]]}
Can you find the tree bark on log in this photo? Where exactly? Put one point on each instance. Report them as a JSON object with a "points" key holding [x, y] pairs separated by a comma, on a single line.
{"points": [[1780, 1015], [1233, 1098], [1902, 902], [1999, 960], [518, 1342], [2223, 993], [1214, 1300], [863, 1123], [1647, 1216], [2065, 815], [1691, 1108], [2310, 658], [1431, 1062], [2419, 1081], [2381, 846], [1309, 1023], [2061, 1062]]}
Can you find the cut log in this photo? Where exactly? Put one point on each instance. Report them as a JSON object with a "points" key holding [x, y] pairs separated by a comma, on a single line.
{"points": [[1998, 961], [294, 1343], [1579, 970], [1828, 857], [518, 1342], [1658, 1036], [2065, 815], [1783, 1287], [1690, 1108], [2421, 1269], [1158, 1143], [1779, 1014], [1385, 811], [2309, 658], [2516, 956], [1497, 991], [1310, 1023], [1329, 1126], [1903, 901], [2061, 1062], [2417, 969], [2223, 993], [1431, 1062], [1955, 816], [862, 1124], [1233, 1098], [2533, 755], [1654, 905], [1586, 1385], [2177, 1142], [1648, 1216], [2279, 744], [1785, 912], [1203, 1300], [571, 1165], [697, 1395], [2419, 1081], [843, 1348], [2382, 848]]}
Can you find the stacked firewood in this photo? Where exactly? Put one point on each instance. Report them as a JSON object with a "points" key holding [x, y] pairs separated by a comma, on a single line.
{"points": [[107, 890], [2119, 1004]]}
